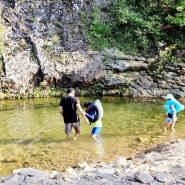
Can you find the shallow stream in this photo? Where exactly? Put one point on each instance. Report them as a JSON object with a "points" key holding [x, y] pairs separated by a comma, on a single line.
{"points": [[32, 133]]}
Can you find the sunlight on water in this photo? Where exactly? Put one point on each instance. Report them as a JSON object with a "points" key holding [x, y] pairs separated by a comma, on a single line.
{"points": [[32, 133]]}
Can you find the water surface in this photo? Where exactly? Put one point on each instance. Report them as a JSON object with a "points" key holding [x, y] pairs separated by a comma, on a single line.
{"points": [[32, 133]]}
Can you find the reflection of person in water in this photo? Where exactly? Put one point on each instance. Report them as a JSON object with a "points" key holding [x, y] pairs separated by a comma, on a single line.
{"points": [[95, 133], [100, 151]]}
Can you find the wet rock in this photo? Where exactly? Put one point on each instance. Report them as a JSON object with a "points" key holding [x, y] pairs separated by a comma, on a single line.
{"points": [[162, 177], [121, 162], [143, 177], [104, 171], [31, 172], [69, 170], [82, 165]]}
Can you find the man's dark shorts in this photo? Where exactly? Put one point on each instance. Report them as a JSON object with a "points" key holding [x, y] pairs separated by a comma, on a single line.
{"points": [[69, 126]]}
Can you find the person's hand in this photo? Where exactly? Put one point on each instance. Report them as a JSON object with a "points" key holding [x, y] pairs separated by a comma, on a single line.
{"points": [[87, 120]]}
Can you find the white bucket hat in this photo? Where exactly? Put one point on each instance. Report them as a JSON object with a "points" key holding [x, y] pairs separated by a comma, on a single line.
{"points": [[168, 96]]}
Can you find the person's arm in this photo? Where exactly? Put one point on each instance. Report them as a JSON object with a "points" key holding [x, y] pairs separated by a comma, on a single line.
{"points": [[82, 112], [89, 116], [61, 110]]}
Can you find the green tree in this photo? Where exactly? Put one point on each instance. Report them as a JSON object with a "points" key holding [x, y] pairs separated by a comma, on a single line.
{"points": [[138, 26], [177, 16]]}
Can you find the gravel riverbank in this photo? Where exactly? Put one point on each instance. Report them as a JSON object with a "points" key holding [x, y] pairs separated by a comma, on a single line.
{"points": [[163, 164]]}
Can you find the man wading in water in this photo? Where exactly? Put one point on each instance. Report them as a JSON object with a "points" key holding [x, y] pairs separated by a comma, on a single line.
{"points": [[69, 107]]}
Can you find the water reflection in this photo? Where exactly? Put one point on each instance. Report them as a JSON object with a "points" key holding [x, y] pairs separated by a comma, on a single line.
{"points": [[32, 133], [100, 151]]}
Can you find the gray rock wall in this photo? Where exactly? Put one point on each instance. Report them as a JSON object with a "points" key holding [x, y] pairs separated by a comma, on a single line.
{"points": [[44, 46]]}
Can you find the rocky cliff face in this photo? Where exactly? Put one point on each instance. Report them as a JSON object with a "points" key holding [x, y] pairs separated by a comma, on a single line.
{"points": [[44, 46]]}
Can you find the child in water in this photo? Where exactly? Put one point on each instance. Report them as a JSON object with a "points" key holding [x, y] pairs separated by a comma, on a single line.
{"points": [[172, 107], [95, 133]]}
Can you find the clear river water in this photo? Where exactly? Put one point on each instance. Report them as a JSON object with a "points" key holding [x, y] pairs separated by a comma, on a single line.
{"points": [[32, 133]]}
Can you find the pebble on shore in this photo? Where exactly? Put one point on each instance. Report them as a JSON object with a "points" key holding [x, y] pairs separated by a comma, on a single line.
{"points": [[163, 164]]}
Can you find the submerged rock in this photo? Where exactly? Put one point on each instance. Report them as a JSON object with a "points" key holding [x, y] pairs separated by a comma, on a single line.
{"points": [[163, 164]]}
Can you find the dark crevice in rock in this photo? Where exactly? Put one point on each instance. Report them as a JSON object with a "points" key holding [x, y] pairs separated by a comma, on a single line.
{"points": [[2, 67], [41, 70]]}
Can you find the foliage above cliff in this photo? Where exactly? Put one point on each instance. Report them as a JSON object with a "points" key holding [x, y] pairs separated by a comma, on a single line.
{"points": [[138, 26]]}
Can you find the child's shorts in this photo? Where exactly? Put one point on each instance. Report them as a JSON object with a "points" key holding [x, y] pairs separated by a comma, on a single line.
{"points": [[96, 130], [170, 120]]}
